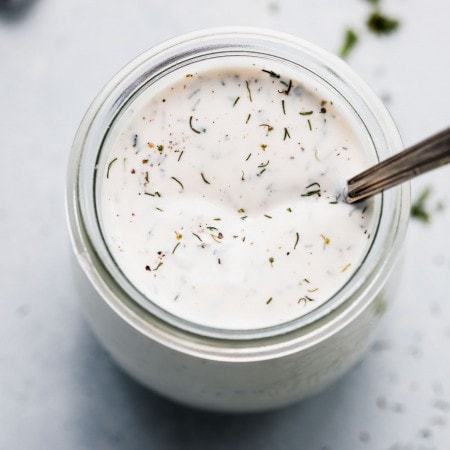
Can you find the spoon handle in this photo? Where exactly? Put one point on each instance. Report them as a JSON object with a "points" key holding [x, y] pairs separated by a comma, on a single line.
{"points": [[422, 157]]}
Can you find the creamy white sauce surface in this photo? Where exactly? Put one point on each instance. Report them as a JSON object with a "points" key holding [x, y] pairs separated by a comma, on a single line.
{"points": [[221, 194]]}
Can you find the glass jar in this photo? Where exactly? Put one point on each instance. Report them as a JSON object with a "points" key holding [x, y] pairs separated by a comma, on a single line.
{"points": [[220, 369]]}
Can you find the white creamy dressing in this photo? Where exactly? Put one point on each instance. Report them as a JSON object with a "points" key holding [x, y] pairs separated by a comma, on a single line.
{"points": [[221, 194]]}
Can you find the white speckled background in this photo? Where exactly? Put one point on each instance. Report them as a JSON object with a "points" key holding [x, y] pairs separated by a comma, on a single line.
{"points": [[58, 388]]}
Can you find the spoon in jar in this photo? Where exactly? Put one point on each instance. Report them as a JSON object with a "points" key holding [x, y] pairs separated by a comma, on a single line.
{"points": [[427, 155]]}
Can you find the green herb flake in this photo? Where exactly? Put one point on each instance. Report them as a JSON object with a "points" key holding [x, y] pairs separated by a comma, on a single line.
{"points": [[178, 181], [305, 113], [160, 148], [380, 24], [350, 41], [248, 118], [237, 99], [157, 267], [268, 301], [249, 91], [269, 127], [191, 126], [335, 202], [109, 167], [181, 154], [297, 238], [286, 134], [283, 107], [155, 194], [271, 260], [305, 299], [260, 173], [271, 73], [288, 88], [316, 191], [248, 157], [204, 179], [267, 215], [176, 246], [309, 125], [198, 237], [289, 210]]}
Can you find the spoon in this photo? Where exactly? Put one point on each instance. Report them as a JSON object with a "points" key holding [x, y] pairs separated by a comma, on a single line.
{"points": [[427, 155]]}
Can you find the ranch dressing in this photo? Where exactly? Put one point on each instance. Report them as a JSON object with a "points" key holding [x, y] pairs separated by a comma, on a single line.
{"points": [[221, 194]]}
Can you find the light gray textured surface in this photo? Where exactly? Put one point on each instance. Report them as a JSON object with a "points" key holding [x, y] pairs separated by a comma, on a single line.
{"points": [[58, 388]]}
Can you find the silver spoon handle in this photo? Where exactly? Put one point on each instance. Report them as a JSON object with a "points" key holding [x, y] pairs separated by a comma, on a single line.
{"points": [[422, 157]]}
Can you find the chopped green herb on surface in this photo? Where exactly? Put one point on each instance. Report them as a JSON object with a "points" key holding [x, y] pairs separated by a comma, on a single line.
{"points": [[350, 41], [379, 23], [419, 209]]}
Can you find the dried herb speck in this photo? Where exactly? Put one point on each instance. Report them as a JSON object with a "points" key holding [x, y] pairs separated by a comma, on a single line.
{"points": [[109, 167], [191, 126], [204, 179], [249, 91], [297, 238], [271, 73], [178, 181]]}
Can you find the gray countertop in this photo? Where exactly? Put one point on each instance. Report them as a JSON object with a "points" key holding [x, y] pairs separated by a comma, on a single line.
{"points": [[58, 387]]}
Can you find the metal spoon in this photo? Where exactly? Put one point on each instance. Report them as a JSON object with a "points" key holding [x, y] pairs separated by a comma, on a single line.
{"points": [[426, 155]]}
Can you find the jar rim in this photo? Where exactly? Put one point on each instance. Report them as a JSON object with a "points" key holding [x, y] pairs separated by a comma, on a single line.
{"points": [[394, 204]]}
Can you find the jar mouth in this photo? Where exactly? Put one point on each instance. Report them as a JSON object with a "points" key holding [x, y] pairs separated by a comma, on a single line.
{"points": [[87, 236]]}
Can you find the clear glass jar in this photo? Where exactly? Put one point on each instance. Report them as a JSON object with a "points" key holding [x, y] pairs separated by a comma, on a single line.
{"points": [[221, 369]]}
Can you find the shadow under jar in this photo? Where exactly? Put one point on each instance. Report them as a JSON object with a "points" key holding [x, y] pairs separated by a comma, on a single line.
{"points": [[206, 206]]}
